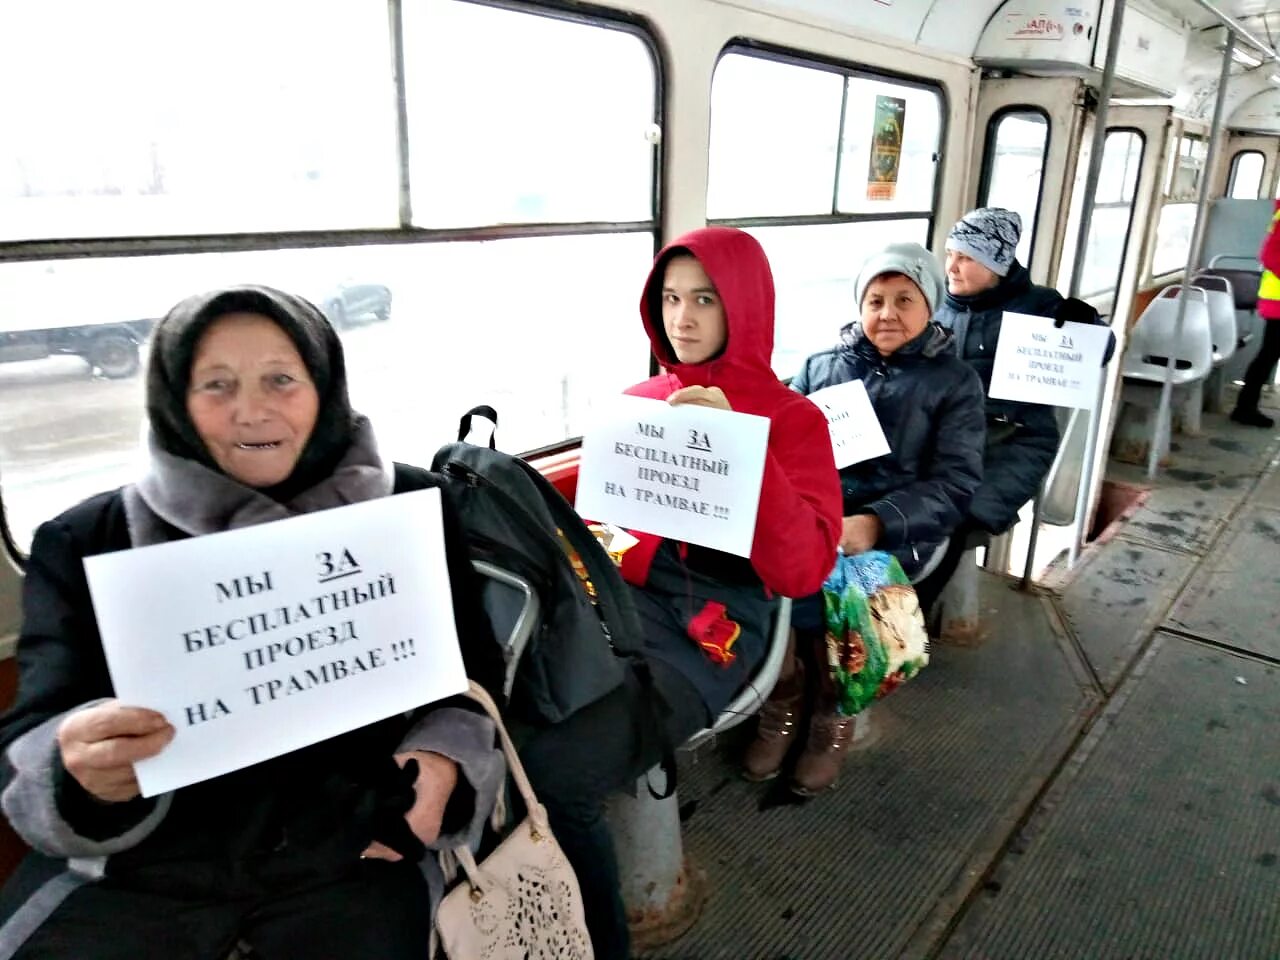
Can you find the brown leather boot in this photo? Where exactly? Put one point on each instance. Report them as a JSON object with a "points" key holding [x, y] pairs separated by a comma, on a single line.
{"points": [[830, 734], [779, 720]]}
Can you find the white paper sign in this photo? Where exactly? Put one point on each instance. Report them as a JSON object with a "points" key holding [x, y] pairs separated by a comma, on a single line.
{"points": [[259, 641], [856, 434], [1037, 362], [686, 472]]}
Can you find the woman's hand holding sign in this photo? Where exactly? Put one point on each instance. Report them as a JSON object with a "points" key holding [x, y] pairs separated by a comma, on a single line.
{"points": [[437, 777], [100, 744], [700, 396]]}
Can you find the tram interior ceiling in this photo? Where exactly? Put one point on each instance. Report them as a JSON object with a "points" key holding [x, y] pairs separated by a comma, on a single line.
{"points": [[473, 202]]}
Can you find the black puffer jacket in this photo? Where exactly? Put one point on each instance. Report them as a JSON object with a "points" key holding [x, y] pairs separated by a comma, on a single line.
{"points": [[1022, 438], [930, 405]]}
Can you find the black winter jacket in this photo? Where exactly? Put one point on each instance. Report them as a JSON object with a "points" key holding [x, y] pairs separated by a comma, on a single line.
{"points": [[1022, 438], [930, 406], [294, 819]]}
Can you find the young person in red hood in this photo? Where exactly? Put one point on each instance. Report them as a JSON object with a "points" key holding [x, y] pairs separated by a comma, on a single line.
{"points": [[708, 309]]}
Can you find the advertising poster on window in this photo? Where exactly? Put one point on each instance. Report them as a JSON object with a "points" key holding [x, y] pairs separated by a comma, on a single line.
{"points": [[886, 148]]}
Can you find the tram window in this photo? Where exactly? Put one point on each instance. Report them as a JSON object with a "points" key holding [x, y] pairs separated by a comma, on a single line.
{"points": [[919, 135], [814, 269], [1112, 213], [1173, 238], [775, 129], [521, 118], [441, 337], [1186, 164], [188, 122], [1017, 144], [1246, 175]]}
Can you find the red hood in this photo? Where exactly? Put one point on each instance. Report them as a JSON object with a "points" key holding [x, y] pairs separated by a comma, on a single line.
{"points": [[738, 267], [798, 523]]}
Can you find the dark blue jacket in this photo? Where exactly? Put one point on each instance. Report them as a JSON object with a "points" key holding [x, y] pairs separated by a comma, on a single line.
{"points": [[1022, 438], [930, 406]]}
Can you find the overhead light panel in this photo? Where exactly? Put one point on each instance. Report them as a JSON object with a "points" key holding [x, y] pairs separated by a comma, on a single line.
{"points": [[1248, 59], [1274, 78]]}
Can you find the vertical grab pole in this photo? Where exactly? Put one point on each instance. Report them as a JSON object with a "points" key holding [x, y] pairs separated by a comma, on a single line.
{"points": [[1164, 414], [1077, 271]]}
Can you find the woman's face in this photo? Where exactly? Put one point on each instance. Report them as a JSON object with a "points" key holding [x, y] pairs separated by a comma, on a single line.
{"points": [[251, 398], [894, 312], [967, 277], [692, 313]]}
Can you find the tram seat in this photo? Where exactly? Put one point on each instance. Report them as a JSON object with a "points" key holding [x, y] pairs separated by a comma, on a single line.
{"points": [[1155, 339], [1154, 346], [1224, 332], [1220, 302], [1244, 287]]}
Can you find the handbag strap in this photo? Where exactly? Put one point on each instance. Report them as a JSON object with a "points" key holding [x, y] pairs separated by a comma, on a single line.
{"points": [[514, 766]]}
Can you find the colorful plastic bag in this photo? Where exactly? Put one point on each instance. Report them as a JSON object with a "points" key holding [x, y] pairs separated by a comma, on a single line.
{"points": [[876, 636]]}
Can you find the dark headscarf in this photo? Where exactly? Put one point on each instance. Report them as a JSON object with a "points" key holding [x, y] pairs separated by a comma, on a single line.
{"points": [[173, 348]]}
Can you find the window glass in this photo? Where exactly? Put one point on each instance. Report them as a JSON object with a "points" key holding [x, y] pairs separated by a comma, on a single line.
{"points": [[1173, 238], [520, 118], [428, 333], [1018, 144], [1246, 175], [774, 134], [814, 269], [145, 117], [1109, 229], [1185, 168], [904, 125]]}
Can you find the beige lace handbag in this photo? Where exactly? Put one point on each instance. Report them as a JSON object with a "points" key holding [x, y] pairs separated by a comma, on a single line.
{"points": [[523, 900]]}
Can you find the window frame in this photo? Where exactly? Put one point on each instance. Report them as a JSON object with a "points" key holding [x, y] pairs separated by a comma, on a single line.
{"points": [[406, 232], [1235, 168], [747, 46], [1133, 208], [988, 160]]}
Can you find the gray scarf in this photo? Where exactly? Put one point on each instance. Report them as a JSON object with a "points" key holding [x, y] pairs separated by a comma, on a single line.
{"points": [[180, 493]]}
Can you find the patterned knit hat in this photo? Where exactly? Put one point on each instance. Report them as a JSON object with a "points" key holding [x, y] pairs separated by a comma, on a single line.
{"points": [[912, 261], [988, 235]]}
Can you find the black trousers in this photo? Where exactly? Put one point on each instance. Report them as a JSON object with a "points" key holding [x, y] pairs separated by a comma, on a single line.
{"points": [[930, 588], [1255, 377], [576, 764], [378, 911]]}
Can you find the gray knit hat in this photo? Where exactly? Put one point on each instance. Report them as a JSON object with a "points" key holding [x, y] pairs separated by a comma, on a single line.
{"points": [[912, 261], [988, 235]]}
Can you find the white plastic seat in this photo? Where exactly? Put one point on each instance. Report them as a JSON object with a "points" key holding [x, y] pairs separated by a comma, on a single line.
{"points": [[1222, 315], [752, 697], [1153, 344]]}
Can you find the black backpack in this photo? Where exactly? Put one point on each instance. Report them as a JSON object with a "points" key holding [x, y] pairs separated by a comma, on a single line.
{"points": [[589, 632]]}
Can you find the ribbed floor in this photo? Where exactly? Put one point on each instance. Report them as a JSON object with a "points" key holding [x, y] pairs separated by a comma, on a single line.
{"points": [[856, 872], [1183, 517], [1117, 599], [1166, 844], [1232, 598]]}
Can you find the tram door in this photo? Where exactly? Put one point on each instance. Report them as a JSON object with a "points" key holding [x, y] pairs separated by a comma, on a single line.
{"points": [[1024, 159]]}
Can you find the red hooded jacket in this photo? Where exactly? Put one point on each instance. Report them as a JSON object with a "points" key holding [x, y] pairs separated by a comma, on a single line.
{"points": [[799, 520]]}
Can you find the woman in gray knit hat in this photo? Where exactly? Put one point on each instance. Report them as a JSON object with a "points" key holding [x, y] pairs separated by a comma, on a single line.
{"points": [[316, 853], [930, 406]]}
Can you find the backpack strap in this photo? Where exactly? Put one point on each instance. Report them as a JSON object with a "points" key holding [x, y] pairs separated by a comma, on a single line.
{"points": [[483, 410]]}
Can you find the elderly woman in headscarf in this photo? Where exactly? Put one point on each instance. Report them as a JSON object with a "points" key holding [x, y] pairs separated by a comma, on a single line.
{"points": [[312, 854]]}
